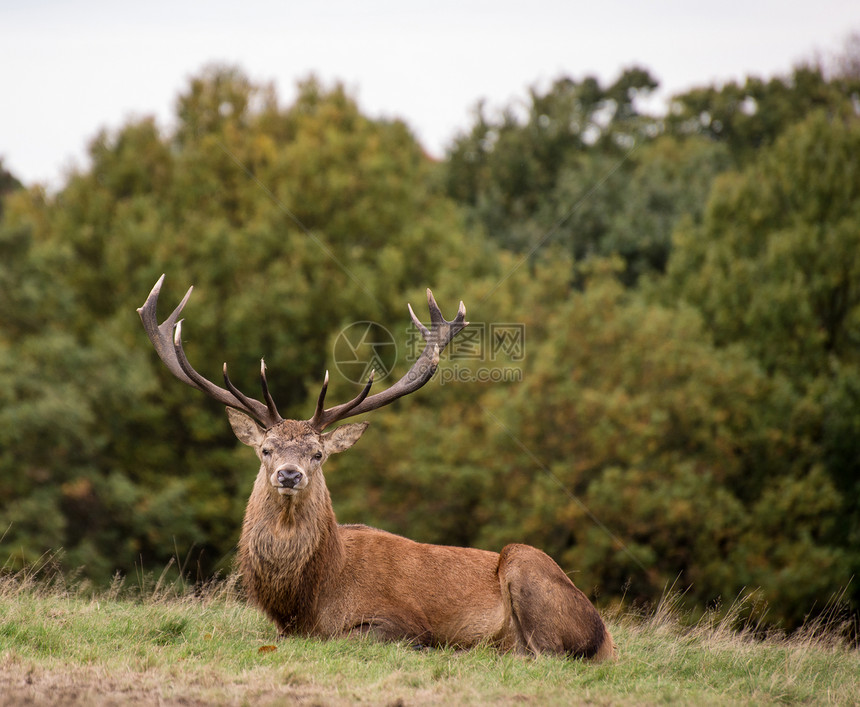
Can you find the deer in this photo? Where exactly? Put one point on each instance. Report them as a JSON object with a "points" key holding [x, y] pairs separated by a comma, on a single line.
{"points": [[314, 577]]}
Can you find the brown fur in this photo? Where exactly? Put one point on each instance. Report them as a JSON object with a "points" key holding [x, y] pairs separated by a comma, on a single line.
{"points": [[315, 577]]}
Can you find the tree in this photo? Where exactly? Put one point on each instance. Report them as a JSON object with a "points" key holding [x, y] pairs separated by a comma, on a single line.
{"points": [[8, 183], [640, 454], [775, 267], [776, 260], [282, 218], [602, 207], [752, 115], [585, 169], [505, 168], [845, 64]]}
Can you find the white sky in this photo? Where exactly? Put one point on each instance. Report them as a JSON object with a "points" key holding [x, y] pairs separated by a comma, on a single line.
{"points": [[68, 69]]}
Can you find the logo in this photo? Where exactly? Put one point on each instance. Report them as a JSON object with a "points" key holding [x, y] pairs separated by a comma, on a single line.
{"points": [[484, 352], [480, 341], [362, 347]]}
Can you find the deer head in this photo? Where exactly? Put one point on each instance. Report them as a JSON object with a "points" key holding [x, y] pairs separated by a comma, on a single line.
{"points": [[291, 452]]}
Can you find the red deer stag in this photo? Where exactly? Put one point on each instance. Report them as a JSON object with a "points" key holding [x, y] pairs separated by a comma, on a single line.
{"points": [[314, 577]]}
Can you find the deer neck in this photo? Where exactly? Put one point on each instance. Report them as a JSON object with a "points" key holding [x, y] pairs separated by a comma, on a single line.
{"points": [[294, 534]]}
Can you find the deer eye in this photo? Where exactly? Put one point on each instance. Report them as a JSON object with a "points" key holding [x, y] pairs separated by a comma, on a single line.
{"points": [[318, 456], [267, 452]]}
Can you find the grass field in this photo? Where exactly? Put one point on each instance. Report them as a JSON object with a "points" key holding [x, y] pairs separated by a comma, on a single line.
{"points": [[73, 646]]}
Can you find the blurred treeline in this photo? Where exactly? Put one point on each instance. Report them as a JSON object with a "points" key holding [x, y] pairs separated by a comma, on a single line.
{"points": [[689, 284]]}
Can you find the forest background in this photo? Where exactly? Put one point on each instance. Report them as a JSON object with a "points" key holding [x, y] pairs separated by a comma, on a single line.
{"points": [[686, 409]]}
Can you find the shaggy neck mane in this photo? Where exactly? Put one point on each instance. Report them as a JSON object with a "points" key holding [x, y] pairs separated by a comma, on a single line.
{"points": [[288, 551]]}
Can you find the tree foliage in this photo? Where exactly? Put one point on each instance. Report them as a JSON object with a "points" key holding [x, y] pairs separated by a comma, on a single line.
{"points": [[280, 217], [776, 261], [584, 168], [657, 455], [749, 116], [686, 411], [774, 267]]}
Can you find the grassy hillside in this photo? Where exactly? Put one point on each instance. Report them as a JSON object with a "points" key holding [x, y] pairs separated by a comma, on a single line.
{"points": [[61, 645]]}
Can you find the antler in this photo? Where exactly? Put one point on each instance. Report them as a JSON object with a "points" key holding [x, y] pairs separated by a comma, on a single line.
{"points": [[167, 340], [438, 336]]}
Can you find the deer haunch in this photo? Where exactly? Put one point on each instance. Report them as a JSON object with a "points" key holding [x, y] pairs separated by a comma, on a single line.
{"points": [[548, 613]]}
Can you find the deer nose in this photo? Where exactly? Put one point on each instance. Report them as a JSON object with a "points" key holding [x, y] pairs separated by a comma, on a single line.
{"points": [[290, 476]]}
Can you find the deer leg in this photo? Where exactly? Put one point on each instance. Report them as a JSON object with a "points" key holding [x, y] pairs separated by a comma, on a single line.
{"points": [[547, 613], [393, 629]]}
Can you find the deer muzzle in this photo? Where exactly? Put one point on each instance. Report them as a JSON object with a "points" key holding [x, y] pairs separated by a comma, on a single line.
{"points": [[289, 479]]}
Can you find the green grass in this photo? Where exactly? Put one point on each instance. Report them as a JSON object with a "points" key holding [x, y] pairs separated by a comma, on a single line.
{"points": [[61, 645]]}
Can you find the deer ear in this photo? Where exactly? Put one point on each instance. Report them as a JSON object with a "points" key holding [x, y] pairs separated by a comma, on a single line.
{"points": [[246, 429], [343, 437]]}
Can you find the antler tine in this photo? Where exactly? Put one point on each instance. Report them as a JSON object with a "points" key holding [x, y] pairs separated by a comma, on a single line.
{"points": [[438, 336], [323, 418], [195, 379], [267, 396], [162, 336], [167, 340], [425, 332], [273, 415], [435, 312], [318, 413]]}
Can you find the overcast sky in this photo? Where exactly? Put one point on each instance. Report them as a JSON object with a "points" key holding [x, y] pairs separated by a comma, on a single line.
{"points": [[68, 69]]}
